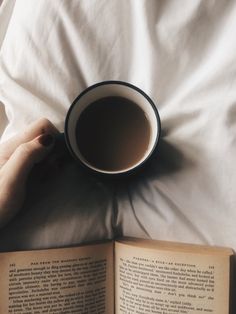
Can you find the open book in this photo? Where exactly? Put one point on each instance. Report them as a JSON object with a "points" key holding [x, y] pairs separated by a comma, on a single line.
{"points": [[123, 276]]}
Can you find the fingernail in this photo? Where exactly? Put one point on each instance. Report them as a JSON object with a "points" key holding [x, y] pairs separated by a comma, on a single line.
{"points": [[46, 140]]}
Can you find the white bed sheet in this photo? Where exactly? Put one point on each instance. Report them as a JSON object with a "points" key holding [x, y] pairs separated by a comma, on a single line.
{"points": [[180, 53]]}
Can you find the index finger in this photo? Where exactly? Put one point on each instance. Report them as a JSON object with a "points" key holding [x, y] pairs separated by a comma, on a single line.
{"points": [[35, 129]]}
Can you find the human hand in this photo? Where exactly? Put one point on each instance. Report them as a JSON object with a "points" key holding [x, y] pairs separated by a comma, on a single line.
{"points": [[17, 157]]}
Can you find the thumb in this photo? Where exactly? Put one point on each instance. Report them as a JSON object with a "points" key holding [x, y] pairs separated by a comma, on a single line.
{"points": [[18, 166]]}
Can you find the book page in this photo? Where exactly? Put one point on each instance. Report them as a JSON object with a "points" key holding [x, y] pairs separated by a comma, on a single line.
{"points": [[166, 282], [68, 280]]}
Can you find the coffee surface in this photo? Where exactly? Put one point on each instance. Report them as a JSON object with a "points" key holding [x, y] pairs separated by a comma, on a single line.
{"points": [[113, 133]]}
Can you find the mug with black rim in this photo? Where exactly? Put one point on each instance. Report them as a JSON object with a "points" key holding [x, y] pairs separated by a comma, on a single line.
{"points": [[97, 101]]}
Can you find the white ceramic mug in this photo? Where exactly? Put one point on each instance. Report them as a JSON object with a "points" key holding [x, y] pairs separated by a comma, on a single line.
{"points": [[112, 89]]}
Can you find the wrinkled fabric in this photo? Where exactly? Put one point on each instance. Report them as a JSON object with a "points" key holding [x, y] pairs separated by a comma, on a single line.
{"points": [[183, 57]]}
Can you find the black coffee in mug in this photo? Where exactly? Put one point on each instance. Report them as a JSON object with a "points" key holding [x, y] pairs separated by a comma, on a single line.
{"points": [[112, 128], [113, 133]]}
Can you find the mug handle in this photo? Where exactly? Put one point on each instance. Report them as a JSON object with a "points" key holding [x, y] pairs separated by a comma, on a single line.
{"points": [[60, 147]]}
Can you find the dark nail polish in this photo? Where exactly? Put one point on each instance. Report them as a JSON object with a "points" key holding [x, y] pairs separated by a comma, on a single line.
{"points": [[46, 140]]}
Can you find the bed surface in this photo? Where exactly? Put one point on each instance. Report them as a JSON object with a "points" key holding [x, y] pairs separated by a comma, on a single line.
{"points": [[183, 57]]}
